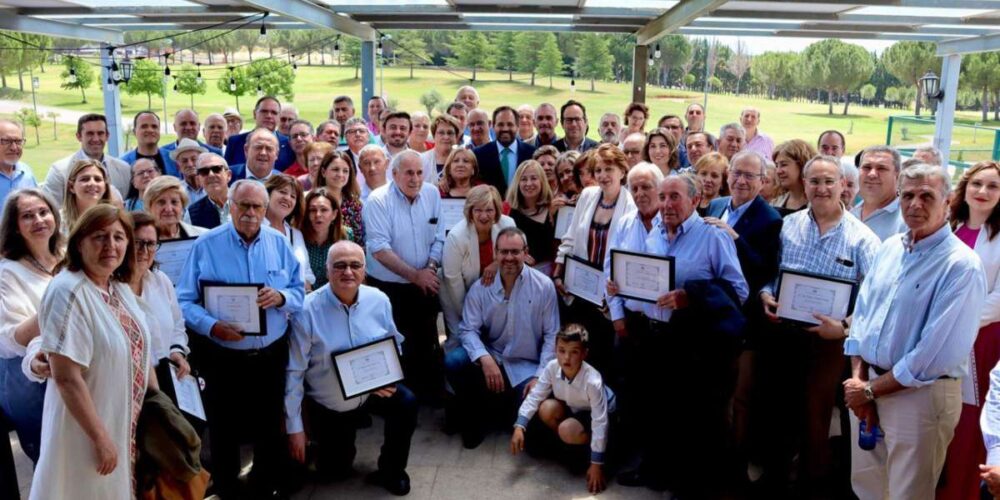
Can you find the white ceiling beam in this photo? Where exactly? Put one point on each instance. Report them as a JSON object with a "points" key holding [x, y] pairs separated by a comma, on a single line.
{"points": [[315, 15], [679, 15], [985, 43], [28, 24]]}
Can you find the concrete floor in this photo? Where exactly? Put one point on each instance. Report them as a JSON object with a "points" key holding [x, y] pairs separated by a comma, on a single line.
{"points": [[441, 469]]}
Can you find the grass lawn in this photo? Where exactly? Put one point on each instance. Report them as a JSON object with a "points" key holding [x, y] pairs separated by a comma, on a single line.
{"points": [[316, 86]]}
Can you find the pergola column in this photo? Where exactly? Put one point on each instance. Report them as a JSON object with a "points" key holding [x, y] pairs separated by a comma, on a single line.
{"points": [[367, 75], [112, 106], [640, 65], [944, 120]]}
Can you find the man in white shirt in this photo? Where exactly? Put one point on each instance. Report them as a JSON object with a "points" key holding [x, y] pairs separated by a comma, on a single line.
{"points": [[396, 132], [92, 134], [879, 207], [372, 165]]}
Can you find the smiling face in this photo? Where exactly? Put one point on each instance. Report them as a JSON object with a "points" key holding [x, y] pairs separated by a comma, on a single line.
{"points": [[262, 152], [511, 252], [548, 163], [143, 171], [248, 207], [643, 189], [145, 248], [608, 176], [479, 127], [824, 184], [506, 127], [697, 146], [636, 121], [214, 177], [337, 174], [285, 119], [674, 126], [409, 176], [373, 167], [750, 119], [659, 152], [460, 168], [357, 136], [300, 137], [878, 178], [564, 171], [484, 215], [525, 122], [93, 137], [12, 148], [88, 186], [530, 184], [983, 191], [167, 209], [234, 124], [346, 270], [282, 202], [266, 114], [788, 172], [186, 125], [421, 128], [545, 121], [35, 221], [147, 129], [676, 203], [831, 145], [731, 143], [375, 109], [574, 124], [103, 251], [745, 180], [712, 177], [469, 97], [396, 132], [444, 138]]}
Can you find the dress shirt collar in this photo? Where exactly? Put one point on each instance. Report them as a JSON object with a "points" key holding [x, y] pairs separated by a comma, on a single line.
{"points": [[399, 192], [239, 238], [685, 226], [250, 175], [928, 242], [812, 220], [497, 286], [892, 207], [512, 147], [740, 208], [19, 170], [336, 300]]}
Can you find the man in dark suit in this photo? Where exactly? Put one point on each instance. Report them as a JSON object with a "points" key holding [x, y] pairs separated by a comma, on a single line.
{"points": [[265, 114], [212, 210], [756, 229], [573, 117], [499, 159]]}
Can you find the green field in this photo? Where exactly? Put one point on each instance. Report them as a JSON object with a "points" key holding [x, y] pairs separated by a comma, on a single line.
{"points": [[316, 86]]}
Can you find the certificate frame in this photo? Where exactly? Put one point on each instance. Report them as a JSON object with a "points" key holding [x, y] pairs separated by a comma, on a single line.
{"points": [[168, 258], [385, 350], [812, 291], [576, 270], [564, 219], [448, 216], [661, 267], [253, 324]]}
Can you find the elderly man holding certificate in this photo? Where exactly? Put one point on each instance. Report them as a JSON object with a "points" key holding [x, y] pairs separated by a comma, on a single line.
{"points": [[253, 273], [693, 331], [343, 316], [824, 252]]}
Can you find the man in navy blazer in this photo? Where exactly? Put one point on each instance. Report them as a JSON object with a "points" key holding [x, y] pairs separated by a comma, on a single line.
{"points": [[265, 114], [212, 210], [489, 156], [573, 117]]}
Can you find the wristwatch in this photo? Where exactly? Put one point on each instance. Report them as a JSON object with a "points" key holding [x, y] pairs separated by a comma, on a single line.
{"points": [[869, 394]]}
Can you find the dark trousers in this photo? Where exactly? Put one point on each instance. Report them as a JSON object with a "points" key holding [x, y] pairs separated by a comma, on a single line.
{"points": [[8, 472], [475, 404], [602, 335], [415, 315], [798, 379], [244, 398], [335, 432], [690, 374], [22, 400]]}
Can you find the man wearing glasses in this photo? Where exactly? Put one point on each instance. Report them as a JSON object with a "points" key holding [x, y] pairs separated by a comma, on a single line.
{"points": [[213, 210], [13, 174], [632, 147], [574, 123], [245, 374]]}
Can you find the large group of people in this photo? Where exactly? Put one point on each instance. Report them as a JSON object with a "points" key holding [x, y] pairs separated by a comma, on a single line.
{"points": [[350, 233]]}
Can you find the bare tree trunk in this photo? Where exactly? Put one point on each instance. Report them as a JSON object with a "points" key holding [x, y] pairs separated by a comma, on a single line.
{"points": [[591, 84], [916, 110], [829, 101], [20, 80], [985, 101], [532, 79], [847, 102]]}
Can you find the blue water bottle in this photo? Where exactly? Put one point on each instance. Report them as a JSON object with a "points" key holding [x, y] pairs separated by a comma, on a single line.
{"points": [[867, 439]]}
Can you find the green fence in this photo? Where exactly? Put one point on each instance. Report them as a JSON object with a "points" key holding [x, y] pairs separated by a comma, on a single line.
{"points": [[969, 143]]}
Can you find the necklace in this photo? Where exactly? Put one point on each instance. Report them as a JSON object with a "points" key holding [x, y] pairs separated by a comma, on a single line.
{"points": [[39, 266], [607, 207]]}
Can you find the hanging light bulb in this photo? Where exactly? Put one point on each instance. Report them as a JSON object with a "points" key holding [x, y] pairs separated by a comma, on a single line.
{"points": [[260, 91], [656, 53], [263, 33], [175, 87], [336, 49], [72, 74], [199, 80], [379, 50], [572, 85], [166, 70], [232, 84], [650, 60], [295, 67]]}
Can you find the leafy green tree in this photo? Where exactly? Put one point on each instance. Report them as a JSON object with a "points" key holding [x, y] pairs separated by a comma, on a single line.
{"points": [[909, 61], [506, 53], [472, 50], [528, 56], [274, 77], [410, 49], [430, 100], [981, 73], [675, 51], [776, 71], [593, 58], [867, 92], [235, 83], [29, 118], [350, 50], [55, 133], [689, 80], [550, 61], [621, 47], [147, 78], [714, 83], [248, 39], [892, 95], [84, 73], [189, 83], [836, 66]]}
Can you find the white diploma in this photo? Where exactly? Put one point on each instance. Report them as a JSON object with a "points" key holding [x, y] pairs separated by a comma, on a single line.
{"points": [[368, 368], [188, 394], [172, 256], [452, 212], [584, 281], [642, 276], [236, 304], [802, 295], [563, 219]]}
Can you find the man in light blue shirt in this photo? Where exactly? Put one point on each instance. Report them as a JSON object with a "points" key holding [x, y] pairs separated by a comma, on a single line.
{"points": [[404, 242], [916, 318], [245, 374], [508, 334], [339, 316], [879, 207], [13, 174]]}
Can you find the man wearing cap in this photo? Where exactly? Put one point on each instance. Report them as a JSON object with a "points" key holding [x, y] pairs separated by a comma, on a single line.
{"points": [[265, 115], [92, 134], [146, 127], [186, 126], [185, 156], [234, 122]]}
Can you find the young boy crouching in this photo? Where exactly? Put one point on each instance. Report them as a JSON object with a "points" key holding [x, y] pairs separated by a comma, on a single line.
{"points": [[571, 399]]}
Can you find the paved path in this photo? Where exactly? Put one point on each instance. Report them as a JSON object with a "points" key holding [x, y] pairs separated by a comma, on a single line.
{"points": [[69, 116]]}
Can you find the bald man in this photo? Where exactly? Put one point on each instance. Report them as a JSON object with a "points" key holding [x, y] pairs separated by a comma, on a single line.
{"points": [[186, 126]]}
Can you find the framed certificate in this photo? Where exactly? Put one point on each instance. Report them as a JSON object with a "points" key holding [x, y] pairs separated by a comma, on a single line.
{"points": [[368, 367], [563, 219], [452, 212], [584, 280], [172, 256], [801, 294], [236, 304], [642, 276]]}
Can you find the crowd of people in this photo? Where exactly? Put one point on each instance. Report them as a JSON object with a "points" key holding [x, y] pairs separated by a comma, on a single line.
{"points": [[712, 390]]}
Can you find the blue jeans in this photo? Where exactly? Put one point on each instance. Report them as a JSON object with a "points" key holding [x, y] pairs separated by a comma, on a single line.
{"points": [[22, 400]]}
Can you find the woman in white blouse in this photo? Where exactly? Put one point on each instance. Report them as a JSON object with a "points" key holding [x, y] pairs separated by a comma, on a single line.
{"points": [[156, 297], [284, 212], [166, 199], [31, 246], [597, 209], [468, 251]]}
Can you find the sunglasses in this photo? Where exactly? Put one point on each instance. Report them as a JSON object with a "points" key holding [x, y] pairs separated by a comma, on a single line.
{"points": [[214, 169]]}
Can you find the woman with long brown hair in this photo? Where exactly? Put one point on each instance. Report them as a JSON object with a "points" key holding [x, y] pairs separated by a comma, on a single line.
{"points": [[322, 226]]}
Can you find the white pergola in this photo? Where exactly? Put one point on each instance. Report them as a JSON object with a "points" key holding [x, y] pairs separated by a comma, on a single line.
{"points": [[957, 26]]}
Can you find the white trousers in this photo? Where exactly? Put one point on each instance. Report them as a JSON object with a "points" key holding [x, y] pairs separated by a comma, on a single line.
{"points": [[918, 425]]}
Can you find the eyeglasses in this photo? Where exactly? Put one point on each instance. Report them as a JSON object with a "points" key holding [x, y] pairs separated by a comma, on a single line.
{"points": [[739, 174], [355, 131], [147, 245], [12, 142], [214, 169], [343, 266], [245, 207], [630, 152], [144, 173]]}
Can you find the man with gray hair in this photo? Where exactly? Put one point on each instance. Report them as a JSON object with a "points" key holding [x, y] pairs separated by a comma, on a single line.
{"points": [[879, 207], [526, 123], [186, 126], [261, 151], [357, 135], [610, 128], [404, 243], [214, 131], [289, 113], [13, 174], [929, 155], [329, 131], [755, 139], [632, 147], [799, 367], [214, 175], [915, 321], [372, 164], [732, 139]]}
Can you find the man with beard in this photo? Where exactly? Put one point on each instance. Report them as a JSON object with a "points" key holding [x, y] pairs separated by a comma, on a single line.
{"points": [[396, 132], [545, 123], [498, 160], [610, 128]]}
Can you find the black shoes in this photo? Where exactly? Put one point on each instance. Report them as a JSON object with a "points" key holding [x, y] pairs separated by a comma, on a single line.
{"points": [[472, 438], [637, 478], [396, 483]]}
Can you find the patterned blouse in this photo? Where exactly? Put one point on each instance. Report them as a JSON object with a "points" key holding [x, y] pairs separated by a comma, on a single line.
{"points": [[350, 209]]}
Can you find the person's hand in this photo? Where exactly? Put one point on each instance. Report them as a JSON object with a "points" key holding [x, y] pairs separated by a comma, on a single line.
{"points": [[719, 223], [427, 280], [854, 394], [595, 479], [106, 455], [386, 392], [867, 413], [828, 328], [40, 366], [990, 474], [226, 332], [490, 273], [560, 287], [554, 206], [517, 441], [309, 287], [770, 306], [619, 325], [612, 288], [268, 297], [297, 446], [529, 386], [183, 368], [676, 299], [494, 379]]}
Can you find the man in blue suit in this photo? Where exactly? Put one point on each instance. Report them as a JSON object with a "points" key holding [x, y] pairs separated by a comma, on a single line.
{"points": [[499, 159], [186, 126], [265, 114]]}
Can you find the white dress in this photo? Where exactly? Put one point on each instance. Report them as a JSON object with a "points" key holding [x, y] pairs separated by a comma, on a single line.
{"points": [[21, 289], [76, 322]]}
